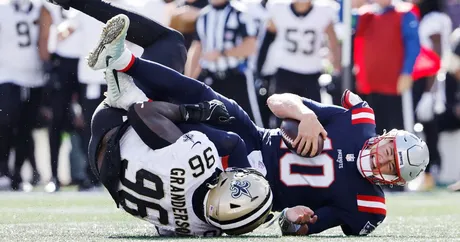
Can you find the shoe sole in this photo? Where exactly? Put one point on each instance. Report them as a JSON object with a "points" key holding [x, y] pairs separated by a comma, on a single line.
{"points": [[115, 28]]}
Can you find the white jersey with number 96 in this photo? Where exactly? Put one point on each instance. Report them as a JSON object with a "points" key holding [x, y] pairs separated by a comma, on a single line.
{"points": [[158, 185]]}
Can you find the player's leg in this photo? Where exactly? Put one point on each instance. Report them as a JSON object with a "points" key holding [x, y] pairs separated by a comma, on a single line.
{"points": [[9, 101], [34, 104], [21, 142], [143, 31], [65, 80], [161, 44], [157, 80], [163, 119], [171, 85]]}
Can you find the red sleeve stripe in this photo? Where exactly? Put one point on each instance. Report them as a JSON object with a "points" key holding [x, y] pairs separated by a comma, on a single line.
{"points": [[362, 115], [371, 204], [363, 121], [225, 162], [372, 210], [362, 110]]}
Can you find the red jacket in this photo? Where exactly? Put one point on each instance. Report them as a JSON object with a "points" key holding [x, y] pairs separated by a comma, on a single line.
{"points": [[379, 51]]}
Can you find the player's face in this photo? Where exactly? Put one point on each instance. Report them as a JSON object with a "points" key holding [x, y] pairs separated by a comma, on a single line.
{"points": [[217, 2], [383, 159]]}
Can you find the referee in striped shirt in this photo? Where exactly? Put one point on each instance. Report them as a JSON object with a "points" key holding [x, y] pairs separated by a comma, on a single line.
{"points": [[225, 37]]}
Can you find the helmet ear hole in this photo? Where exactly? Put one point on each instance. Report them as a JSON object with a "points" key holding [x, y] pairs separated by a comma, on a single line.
{"points": [[233, 206], [223, 182]]}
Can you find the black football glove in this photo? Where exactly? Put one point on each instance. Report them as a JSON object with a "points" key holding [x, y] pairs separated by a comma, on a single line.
{"points": [[212, 112]]}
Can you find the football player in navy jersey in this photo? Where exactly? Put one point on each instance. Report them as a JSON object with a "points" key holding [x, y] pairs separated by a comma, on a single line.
{"points": [[339, 187]]}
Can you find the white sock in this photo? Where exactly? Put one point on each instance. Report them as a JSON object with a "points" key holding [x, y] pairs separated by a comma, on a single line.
{"points": [[124, 62]]}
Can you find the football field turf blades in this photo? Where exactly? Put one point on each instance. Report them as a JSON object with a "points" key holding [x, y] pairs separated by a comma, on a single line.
{"points": [[72, 216]]}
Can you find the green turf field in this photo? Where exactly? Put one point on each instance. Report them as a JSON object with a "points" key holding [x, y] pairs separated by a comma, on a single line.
{"points": [[72, 216]]}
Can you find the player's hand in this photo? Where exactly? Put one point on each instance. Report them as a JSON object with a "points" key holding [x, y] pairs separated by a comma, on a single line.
{"points": [[212, 112], [303, 216], [404, 83], [309, 130], [217, 113], [211, 55]]}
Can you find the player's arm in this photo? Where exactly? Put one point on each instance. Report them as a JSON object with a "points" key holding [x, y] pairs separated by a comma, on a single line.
{"points": [[45, 22], [309, 113], [409, 28], [334, 46], [192, 66], [301, 220], [247, 29], [150, 114], [162, 117], [269, 37], [304, 222], [288, 105], [158, 117]]}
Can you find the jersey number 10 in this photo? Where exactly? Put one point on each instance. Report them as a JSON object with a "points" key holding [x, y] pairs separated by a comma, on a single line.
{"points": [[323, 161]]}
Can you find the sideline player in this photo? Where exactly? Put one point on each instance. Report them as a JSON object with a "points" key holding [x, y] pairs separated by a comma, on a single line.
{"points": [[21, 87], [299, 29], [344, 178]]}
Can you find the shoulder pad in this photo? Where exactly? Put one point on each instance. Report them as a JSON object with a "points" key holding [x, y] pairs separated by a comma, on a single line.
{"points": [[205, 10]]}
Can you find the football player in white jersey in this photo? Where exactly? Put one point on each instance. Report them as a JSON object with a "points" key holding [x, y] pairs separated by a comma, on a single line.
{"points": [[77, 26], [434, 32], [301, 27], [264, 72], [60, 47], [178, 182], [21, 83]]}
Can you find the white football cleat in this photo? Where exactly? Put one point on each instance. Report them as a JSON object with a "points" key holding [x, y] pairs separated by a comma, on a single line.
{"points": [[121, 90], [111, 43]]}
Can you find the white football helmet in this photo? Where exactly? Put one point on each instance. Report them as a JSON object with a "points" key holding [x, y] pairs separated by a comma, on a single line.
{"points": [[411, 158], [239, 202]]}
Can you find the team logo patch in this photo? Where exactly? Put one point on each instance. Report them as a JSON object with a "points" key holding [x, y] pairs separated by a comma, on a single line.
{"points": [[350, 157], [239, 188], [367, 229], [188, 137]]}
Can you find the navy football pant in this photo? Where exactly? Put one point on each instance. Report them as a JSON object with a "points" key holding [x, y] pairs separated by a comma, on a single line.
{"points": [[157, 80], [24, 143], [62, 85], [161, 44], [10, 99]]}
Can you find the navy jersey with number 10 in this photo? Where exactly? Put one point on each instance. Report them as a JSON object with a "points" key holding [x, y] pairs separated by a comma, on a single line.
{"points": [[330, 183]]}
